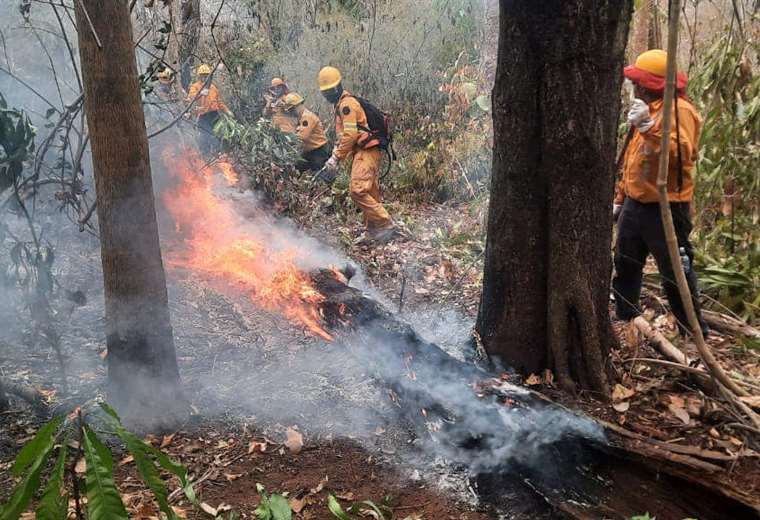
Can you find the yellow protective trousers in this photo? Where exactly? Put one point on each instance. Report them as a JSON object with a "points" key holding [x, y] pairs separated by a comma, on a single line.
{"points": [[365, 188]]}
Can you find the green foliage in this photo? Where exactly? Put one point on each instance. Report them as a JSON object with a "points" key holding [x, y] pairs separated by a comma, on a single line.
{"points": [[260, 144], [727, 92], [16, 143], [103, 498], [380, 512], [32, 459], [336, 510], [54, 504], [272, 507]]}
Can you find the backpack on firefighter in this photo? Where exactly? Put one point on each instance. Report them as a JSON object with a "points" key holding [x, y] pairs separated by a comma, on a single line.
{"points": [[379, 131]]}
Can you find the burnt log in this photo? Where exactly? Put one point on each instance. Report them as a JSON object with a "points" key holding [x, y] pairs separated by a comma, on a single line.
{"points": [[26, 392], [508, 436]]}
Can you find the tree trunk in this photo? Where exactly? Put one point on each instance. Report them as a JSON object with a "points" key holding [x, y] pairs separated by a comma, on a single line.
{"points": [[547, 266], [640, 27], [4, 404], [142, 365], [189, 34]]}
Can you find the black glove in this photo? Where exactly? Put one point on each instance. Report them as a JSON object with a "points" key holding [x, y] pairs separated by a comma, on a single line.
{"points": [[326, 176]]}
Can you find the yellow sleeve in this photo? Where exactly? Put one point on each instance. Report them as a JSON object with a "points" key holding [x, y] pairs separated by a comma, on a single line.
{"points": [[348, 133]]}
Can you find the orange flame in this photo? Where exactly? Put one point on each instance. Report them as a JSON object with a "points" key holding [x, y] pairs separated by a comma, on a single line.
{"points": [[217, 245], [228, 171]]}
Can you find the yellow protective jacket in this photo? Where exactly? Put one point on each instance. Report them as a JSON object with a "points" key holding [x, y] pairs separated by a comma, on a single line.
{"points": [[350, 120], [280, 119], [642, 157], [284, 122], [209, 102], [311, 131]]}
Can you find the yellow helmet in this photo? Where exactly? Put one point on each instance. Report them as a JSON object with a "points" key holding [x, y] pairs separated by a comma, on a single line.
{"points": [[329, 77], [292, 100], [165, 76], [654, 62], [204, 69], [276, 82]]}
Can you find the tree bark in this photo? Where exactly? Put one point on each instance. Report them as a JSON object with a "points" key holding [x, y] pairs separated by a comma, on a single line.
{"points": [[142, 366], [189, 34], [547, 265], [640, 27], [4, 404]]}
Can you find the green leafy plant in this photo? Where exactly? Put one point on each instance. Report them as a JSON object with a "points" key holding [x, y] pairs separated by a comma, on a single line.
{"points": [[727, 92], [381, 512], [75, 437], [272, 507], [16, 143]]}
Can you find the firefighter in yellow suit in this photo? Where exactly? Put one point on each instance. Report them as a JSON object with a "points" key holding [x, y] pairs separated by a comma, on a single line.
{"points": [[354, 141], [315, 149], [275, 106]]}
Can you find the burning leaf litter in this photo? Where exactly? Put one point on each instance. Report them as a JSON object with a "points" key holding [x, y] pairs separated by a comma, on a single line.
{"points": [[214, 241]]}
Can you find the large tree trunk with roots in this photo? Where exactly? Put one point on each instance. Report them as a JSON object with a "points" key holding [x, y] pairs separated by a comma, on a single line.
{"points": [[547, 266], [142, 365]]}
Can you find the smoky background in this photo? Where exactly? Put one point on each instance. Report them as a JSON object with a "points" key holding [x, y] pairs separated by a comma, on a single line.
{"points": [[236, 360]]}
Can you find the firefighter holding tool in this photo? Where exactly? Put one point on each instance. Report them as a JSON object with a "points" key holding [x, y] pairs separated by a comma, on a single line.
{"points": [[362, 134]]}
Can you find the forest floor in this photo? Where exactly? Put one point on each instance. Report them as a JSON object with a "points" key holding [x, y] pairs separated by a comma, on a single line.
{"points": [[442, 265], [256, 379]]}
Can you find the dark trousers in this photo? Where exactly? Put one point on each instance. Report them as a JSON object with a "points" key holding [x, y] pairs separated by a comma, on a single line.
{"points": [[207, 140], [639, 233], [314, 159]]}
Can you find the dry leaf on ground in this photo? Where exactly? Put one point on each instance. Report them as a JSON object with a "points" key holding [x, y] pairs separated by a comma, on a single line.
{"points": [[533, 380], [620, 393], [257, 446], [167, 440], [294, 441], [679, 412]]}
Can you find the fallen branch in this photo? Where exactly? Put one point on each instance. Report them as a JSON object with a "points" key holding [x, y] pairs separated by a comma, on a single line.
{"points": [[26, 392], [684, 368], [659, 450], [729, 324], [662, 343]]}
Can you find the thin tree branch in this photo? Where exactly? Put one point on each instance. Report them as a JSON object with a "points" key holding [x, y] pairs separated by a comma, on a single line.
{"points": [[31, 88], [68, 43], [89, 22], [667, 218], [84, 220]]}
